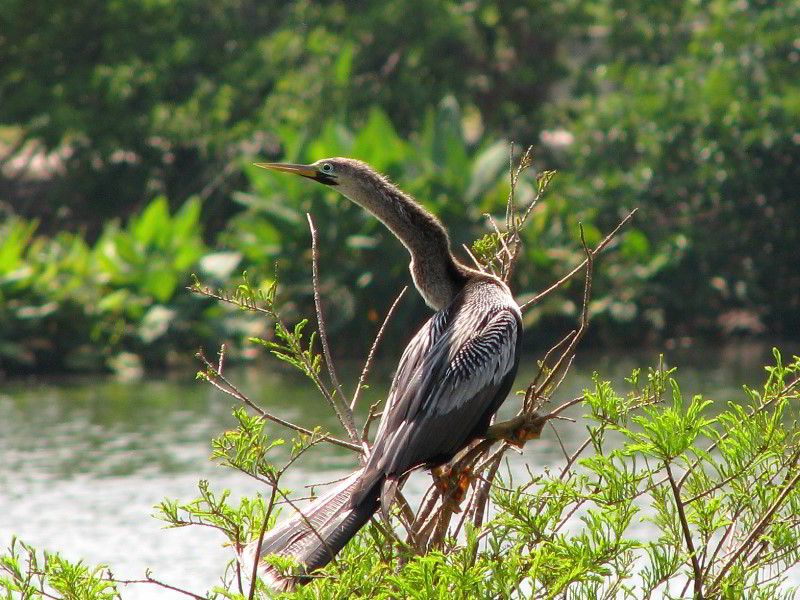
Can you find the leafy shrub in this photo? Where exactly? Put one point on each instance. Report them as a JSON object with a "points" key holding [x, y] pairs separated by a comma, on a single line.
{"points": [[64, 304], [688, 110]]}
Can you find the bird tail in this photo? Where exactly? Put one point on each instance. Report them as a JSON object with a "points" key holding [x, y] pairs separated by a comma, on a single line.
{"points": [[314, 535]]}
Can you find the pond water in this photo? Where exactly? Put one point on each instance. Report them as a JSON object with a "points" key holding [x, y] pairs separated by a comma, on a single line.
{"points": [[84, 460]]}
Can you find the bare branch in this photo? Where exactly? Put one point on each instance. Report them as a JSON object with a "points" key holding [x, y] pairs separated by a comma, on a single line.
{"points": [[152, 580], [687, 534], [425, 518], [525, 161], [560, 442], [482, 492], [536, 299], [371, 355], [512, 223], [499, 236], [584, 322], [229, 298], [475, 261], [528, 404], [512, 180], [757, 530], [223, 385], [343, 411], [257, 553], [371, 416]]}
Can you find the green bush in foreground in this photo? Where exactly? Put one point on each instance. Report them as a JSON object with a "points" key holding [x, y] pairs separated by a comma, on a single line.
{"points": [[718, 484]]}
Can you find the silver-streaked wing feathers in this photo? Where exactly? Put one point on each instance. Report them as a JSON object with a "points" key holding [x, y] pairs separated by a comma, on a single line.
{"points": [[452, 377]]}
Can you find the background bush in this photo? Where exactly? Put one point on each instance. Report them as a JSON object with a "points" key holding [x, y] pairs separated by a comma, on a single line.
{"points": [[687, 110]]}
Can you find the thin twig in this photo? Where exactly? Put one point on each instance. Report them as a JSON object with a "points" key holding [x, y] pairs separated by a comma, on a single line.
{"points": [[236, 299], [371, 416], [152, 580], [343, 411], [482, 493], [512, 223], [512, 180], [528, 403], [371, 355], [584, 319], [227, 387], [560, 443], [687, 534], [406, 518], [758, 530], [475, 261], [727, 536], [536, 299], [571, 460], [257, 554], [316, 438], [499, 236], [422, 522]]}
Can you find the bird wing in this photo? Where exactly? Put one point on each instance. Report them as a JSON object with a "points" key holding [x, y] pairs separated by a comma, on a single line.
{"points": [[452, 377], [408, 370]]}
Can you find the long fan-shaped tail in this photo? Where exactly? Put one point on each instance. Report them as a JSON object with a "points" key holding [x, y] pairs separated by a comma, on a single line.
{"points": [[316, 534]]}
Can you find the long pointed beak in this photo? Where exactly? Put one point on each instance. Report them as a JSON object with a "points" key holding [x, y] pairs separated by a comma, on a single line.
{"points": [[303, 170]]}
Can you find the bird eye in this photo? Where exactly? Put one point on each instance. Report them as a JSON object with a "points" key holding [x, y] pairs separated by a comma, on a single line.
{"points": [[327, 168]]}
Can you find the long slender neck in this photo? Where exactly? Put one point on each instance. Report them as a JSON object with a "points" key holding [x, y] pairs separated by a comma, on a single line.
{"points": [[437, 274]]}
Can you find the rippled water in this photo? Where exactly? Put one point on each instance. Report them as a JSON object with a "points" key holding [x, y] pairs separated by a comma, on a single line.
{"points": [[84, 460]]}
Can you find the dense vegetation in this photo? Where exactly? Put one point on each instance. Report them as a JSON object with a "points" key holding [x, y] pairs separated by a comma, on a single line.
{"points": [[128, 130]]}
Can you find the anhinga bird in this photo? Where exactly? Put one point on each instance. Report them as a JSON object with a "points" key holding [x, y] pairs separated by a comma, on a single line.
{"points": [[451, 379]]}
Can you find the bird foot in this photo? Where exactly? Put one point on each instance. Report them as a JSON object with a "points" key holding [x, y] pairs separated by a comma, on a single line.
{"points": [[452, 485], [522, 434]]}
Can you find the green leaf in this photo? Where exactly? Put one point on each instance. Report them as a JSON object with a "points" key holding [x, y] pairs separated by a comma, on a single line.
{"points": [[344, 63], [160, 282], [635, 244], [488, 167], [153, 220]]}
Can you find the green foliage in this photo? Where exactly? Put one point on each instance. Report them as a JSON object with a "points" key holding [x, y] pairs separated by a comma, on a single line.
{"points": [[154, 252], [238, 523], [65, 304], [289, 348], [28, 574], [572, 533], [688, 111], [246, 447], [166, 106]]}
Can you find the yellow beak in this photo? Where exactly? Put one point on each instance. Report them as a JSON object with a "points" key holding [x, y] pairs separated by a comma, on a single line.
{"points": [[304, 170]]}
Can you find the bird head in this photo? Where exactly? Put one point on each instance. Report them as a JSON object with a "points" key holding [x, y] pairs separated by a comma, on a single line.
{"points": [[350, 177], [327, 171]]}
